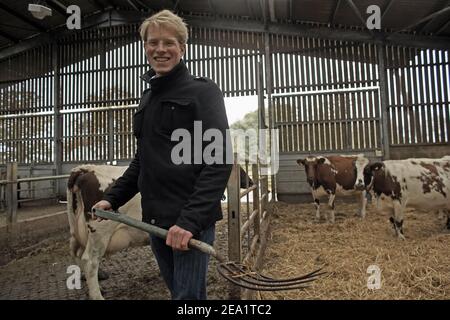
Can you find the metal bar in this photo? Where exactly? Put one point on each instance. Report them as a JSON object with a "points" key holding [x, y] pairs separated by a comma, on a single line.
{"points": [[316, 92], [334, 12], [386, 10], [437, 7], [11, 193], [428, 17], [9, 181], [57, 118], [358, 14], [58, 7], [384, 100], [234, 220], [441, 29]]}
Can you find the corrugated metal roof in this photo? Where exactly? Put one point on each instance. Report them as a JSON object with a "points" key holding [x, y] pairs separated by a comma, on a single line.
{"points": [[18, 25]]}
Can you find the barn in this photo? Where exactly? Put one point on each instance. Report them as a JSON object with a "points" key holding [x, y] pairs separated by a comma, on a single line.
{"points": [[332, 77]]}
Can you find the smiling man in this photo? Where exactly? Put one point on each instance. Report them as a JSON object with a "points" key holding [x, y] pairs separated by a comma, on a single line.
{"points": [[181, 197]]}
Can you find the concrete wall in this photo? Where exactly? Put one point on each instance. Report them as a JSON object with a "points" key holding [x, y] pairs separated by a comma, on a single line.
{"points": [[434, 151]]}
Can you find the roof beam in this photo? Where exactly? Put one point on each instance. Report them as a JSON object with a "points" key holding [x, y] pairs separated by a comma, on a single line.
{"points": [[212, 8], [441, 29], [143, 5], [388, 7], [22, 17], [8, 36], [429, 17], [133, 5], [110, 3], [358, 14], [325, 33], [58, 7], [175, 4], [335, 10], [100, 19], [263, 5], [272, 11], [290, 10], [249, 9], [424, 27], [97, 4]]}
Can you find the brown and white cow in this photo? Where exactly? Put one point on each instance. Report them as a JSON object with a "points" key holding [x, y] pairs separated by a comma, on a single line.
{"points": [[422, 184], [91, 239], [342, 175]]}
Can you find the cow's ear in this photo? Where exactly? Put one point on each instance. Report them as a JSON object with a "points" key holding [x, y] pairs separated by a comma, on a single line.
{"points": [[376, 166], [321, 160], [301, 162]]}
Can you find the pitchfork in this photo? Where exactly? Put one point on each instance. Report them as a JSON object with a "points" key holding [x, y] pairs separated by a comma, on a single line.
{"points": [[235, 272]]}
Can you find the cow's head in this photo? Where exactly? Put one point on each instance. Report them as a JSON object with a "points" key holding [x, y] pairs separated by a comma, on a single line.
{"points": [[311, 165], [87, 188], [360, 164], [369, 171]]}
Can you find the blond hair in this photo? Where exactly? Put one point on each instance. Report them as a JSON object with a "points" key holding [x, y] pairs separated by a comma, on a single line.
{"points": [[165, 18]]}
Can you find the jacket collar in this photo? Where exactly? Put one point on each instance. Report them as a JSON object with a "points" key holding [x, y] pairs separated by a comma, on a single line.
{"points": [[159, 83]]}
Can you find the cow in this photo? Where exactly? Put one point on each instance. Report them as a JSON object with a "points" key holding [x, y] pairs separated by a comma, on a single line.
{"points": [[419, 183], [331, 175], [90, 239]]}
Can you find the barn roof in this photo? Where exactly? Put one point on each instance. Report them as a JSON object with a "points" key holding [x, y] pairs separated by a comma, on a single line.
{"points": [[408, 22]]}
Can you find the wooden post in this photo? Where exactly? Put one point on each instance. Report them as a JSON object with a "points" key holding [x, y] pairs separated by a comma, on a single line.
{"points": [[234, 222], [11, 193], [110, 136], [256, 205], [58, 119], [269, 89], [384, 100]]}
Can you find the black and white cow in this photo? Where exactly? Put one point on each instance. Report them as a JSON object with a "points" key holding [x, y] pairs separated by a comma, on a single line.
{"points": [[342, 175], [90, 239], [422, 184]]}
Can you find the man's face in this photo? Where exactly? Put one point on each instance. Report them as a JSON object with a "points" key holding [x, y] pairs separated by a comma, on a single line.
{"points": [[163, 49]]}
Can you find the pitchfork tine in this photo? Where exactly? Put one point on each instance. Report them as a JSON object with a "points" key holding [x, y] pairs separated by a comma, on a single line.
{"points": [[269, 285], [237, 276], [263, 277]]}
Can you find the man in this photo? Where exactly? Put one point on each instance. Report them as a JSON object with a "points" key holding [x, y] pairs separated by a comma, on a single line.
{"points": [[183, 198]]}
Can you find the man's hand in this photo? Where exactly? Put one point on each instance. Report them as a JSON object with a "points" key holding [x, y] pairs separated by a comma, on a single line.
{"points": [[102, 204], [178, 238]]}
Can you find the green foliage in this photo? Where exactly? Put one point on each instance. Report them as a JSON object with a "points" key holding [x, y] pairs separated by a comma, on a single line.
{"points": [[250, 121]]}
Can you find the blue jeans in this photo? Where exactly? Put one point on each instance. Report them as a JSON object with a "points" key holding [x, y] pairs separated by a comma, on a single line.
{"points": [[184, 272]]}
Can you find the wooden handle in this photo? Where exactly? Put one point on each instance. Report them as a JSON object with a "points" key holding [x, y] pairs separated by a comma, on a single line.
{"points": [[156, 231]]}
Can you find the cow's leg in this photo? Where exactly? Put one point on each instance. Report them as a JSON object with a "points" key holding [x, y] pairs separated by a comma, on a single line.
{"points": [[363, 204], [397, 220], [99, 236], [317, 205], [446, 213], [331, 204]]}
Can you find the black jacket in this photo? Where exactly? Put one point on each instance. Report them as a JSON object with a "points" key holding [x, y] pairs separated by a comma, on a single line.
{"points": [[187, 195]]}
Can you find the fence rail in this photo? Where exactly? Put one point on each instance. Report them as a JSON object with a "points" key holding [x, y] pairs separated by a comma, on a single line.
{"points": [[11, 189]]}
